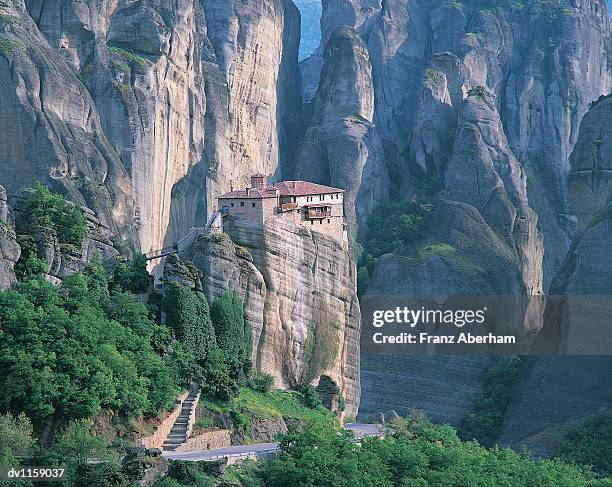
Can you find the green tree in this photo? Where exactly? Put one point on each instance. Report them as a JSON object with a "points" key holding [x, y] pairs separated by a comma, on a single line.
{"points": [[29, 263], [591, 444], [132, 275], [234, 334], [188, 314], [51, 210], [418, 454], [263, 383], [63, 354], [394, 225], [88, 457], [78, 443], [16, 440]]}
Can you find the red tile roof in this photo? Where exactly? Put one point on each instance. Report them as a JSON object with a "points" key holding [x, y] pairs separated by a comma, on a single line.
{"points": [[253, 193], [304, 188], [286, 188]]}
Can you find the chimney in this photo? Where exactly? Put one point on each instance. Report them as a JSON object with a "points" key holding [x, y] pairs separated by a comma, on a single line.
{"points": [[259, 181]]}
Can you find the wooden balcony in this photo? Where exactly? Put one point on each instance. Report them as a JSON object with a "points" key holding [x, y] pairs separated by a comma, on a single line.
{"points": [[287, 207], [318, 213]]}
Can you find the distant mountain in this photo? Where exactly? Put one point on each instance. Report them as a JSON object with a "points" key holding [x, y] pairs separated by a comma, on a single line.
{"points": [[311, 29]]}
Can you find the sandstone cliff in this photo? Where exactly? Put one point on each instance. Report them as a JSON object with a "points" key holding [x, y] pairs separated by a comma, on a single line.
{"points": [[298, 287], [341, 148], [9, 250], [137, 112], [479, 108], [540, 66], [580, 384]]}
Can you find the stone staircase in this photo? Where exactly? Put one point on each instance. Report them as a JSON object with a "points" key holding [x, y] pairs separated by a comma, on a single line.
{"points": [[182, 426]]}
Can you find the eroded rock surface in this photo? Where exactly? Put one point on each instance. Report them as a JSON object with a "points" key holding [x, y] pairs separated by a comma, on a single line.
{"points": [[298, 287], [9, 250], [145, 112]]}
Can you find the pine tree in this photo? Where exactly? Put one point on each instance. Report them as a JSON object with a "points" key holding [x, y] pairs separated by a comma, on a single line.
{"points": [[187, 312], [234, 335]]}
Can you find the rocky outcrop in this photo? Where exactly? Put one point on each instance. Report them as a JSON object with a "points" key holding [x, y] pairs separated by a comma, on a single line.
{"points": [[298, 287], [9, 250], [64, 259], [586, 269], [341, 148], [529, 61], [51, 129], [563, 390], [479, 109], [147, 126]]}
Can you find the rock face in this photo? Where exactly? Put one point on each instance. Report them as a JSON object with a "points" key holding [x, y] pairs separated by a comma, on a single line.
{"points": [[426, 56], [586, 269], [479, 109], [50, 128], [341, 148], [145, 112], [9, 250], [65, 259], [581, 384], [298, 287]]}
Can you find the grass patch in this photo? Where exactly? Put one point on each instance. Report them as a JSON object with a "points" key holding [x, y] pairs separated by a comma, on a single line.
{"points": [[9, 19], [433, 76], [277, 404], [8, 46], [266, 405], [130, 56]]}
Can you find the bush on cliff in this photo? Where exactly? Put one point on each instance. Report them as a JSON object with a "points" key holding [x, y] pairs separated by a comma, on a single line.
{"points": [[395, 224], [132, 275], [51, 210], [234, 335], [591, 444], [484, 422]]}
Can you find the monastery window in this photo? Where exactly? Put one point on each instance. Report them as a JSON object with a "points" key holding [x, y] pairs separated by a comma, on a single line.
{"points": [[253, 205], [242, 203], [232, 205], [328, 220]]}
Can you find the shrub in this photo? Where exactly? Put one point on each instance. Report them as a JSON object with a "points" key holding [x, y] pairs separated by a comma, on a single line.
{"points": [[263, 383], [591, 444], [220, 385], [133, 275], [130, 56], [29, 263], [485, 421], [234, 335], [51, 210], [310, 397], [478, 91], [394, 225]]}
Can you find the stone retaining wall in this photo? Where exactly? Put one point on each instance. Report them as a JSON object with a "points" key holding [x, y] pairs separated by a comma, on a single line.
{"points": [[157, 439], [207, 441]]}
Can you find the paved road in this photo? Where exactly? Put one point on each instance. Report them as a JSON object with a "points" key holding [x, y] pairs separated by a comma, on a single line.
{"points": [[361, 431], [230, 451]]}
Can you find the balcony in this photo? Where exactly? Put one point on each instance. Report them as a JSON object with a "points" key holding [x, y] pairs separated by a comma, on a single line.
{"points": [[287, 207], [318, 212]]}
